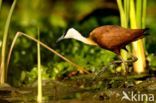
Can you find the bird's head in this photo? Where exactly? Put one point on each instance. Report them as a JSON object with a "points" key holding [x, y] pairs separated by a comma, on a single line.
{"points": [[71, 33]]}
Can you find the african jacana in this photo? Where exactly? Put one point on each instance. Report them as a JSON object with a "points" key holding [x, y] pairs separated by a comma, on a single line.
{"points": [[110, 37]]}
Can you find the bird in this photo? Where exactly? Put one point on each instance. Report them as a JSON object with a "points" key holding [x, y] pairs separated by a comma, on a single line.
{"points": [[109, 37]]}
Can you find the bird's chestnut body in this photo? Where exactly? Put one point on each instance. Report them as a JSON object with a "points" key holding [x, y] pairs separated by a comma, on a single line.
{"points": [[114, 38]]}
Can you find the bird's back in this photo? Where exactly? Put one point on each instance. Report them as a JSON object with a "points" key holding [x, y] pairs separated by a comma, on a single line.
{"points": [[113, 37]]}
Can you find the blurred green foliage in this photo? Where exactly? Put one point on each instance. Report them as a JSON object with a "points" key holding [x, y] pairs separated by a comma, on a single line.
{"points": [[54, 17]]}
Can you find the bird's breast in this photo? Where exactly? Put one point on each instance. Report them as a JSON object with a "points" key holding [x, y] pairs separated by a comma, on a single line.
{"points": [[104, 40]]}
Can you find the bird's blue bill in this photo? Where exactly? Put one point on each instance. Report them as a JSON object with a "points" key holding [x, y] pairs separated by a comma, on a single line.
{"points": [[60, 38]]}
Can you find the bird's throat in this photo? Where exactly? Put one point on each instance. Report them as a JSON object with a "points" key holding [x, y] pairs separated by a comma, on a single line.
{"points": [[90, 42], [87, 41]]}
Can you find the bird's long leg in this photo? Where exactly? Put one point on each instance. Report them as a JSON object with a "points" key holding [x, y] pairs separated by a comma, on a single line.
{"points": [[105, 67], [134, 58], [124, 63]]}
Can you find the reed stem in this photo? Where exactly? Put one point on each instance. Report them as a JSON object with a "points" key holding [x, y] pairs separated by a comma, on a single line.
{"points": [[3, 70], [81, 69], [124, 23], [39, 94], [144, 13], [138, 48], [0, 4]]}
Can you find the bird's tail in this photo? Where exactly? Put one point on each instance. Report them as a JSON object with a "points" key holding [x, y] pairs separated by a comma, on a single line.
{"points": [[140, 33], [146, 31]]}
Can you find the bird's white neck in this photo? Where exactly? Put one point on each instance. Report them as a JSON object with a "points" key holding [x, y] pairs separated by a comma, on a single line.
{"points": [[72, 33]]}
